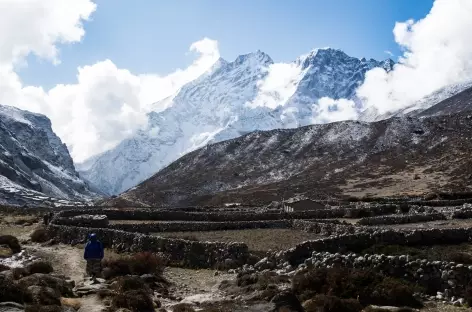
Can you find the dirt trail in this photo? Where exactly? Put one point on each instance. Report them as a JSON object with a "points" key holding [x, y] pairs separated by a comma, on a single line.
{"points": [[66, 260]]}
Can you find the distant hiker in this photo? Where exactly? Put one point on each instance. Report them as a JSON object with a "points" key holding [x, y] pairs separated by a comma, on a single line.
{"points": [[46, 219], [93, 254]]}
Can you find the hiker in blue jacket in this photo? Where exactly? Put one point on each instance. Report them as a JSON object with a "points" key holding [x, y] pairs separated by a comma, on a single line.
{"points": [[93, 254]]}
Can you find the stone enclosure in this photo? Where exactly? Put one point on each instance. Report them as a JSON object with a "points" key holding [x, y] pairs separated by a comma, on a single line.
{"points": [[343, 231]]}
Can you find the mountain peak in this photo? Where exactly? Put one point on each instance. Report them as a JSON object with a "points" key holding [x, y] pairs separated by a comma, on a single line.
{"points": [[258, 57]]}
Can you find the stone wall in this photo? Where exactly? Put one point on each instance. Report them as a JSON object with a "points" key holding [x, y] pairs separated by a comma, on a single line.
{"points": [[192, 254], [160, 215], [93, 221], [360, 241], [326, 228], [401, 219]]}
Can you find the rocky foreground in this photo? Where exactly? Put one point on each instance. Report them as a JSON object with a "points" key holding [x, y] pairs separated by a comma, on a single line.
{"points": [[39, 275]]}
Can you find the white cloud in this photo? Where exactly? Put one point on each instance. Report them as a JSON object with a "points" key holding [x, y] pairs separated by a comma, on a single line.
{"points": [[35, 26], [389, 53], [278, 86], [107, 103], [437, 53], [329, 110]]}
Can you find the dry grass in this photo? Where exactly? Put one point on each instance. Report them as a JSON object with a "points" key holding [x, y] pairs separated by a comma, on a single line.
{"points": [[5, 252], [10, 228], [74, 303], [256, 239]]}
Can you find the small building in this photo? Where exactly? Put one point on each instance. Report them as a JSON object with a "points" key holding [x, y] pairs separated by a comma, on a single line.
{"points": [[291, 205]]}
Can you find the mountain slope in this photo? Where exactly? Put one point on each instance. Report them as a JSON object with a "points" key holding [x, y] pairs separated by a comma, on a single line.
{"points": [[33, 159], [409, 156], [228, 101]]}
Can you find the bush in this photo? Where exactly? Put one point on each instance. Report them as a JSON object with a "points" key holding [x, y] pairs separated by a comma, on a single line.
{"points": [[404, 208], [134, 300], [40, 235], [12, 242], [183, 307], [11, 291], [4, 268], [323, 303], [19, 273], [138, 264], [368, 286], [468, 295], [39, 267], [44, 308], [127, 283]]}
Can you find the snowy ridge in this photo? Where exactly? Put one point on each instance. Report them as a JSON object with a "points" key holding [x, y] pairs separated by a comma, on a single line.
{"points": [[230, 100]]}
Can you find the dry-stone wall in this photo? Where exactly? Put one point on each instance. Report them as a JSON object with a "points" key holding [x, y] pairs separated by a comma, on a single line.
{"points": [[360, 241], [94, 221], [401, 219], [160, 215], [181, 252], [327, 229]]}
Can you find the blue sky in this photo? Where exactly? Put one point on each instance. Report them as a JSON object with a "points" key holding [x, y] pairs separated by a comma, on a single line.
{"points": [[153, 36]]}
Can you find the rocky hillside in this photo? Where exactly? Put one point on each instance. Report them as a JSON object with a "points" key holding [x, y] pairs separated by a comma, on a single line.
{"points": [[34, 163], [228, 101], [397, 156]]}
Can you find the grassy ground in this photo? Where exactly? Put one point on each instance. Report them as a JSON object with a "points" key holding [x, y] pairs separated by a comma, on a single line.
{"points": [[19, 226], [256, 239]]}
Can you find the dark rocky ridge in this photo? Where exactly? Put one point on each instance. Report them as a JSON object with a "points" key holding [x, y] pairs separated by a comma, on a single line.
{"points": [[398, 156], [33, 160]]}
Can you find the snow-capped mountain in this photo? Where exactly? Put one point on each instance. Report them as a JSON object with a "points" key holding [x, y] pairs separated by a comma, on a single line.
{"points": [[231, 99], [34, 161]]}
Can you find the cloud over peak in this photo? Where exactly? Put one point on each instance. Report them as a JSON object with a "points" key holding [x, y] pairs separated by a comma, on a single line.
{"points": [[106, 104]]}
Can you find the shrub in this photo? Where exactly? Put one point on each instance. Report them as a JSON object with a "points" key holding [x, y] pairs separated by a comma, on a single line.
{"points": [[12, 242], [393, 292], [44, 308], [183, 307], [4, 268], [19, 273], [134, 300], [39, 267], [323, 303], [368, 286], [404, 208], [11, 291], [40, 235], [138, 264], [468, 295], [127, 283]]}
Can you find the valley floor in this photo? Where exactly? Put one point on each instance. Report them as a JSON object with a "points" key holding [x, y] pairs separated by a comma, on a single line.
{"points": [[193, 286]]}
